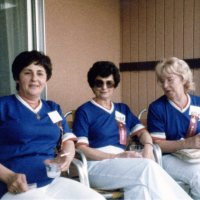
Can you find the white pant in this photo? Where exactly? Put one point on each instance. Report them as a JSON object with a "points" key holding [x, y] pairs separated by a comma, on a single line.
{"points": [[59, 189], [182, 171], [140, 178]]}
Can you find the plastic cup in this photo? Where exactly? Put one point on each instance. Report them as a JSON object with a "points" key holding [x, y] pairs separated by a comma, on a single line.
{"points": [[52, 168], [136, 147]]}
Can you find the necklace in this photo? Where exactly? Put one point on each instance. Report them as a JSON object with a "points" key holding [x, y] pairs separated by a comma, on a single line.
{"points": [[37, 116]]}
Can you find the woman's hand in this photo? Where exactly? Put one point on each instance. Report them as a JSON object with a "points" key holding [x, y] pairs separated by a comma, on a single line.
{"points": [[129, 154], [66, 155], [148, 151], [64, 160], [192, 142], [17, 183]]}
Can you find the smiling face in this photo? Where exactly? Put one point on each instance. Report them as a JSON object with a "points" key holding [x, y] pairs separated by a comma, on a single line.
{"points": [[32, 80], [104, 87]]}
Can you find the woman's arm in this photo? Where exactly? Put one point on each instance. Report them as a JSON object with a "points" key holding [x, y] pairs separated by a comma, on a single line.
{"points": [[170, 146], [66, 155], [95, 154], [16, 183], [146, 140]]}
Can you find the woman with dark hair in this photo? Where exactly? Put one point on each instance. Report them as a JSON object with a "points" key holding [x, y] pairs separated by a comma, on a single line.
{"points": [[30, 131], [102, 128]]}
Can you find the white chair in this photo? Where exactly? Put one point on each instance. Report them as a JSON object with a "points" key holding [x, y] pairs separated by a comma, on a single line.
{"points": [[81, 166]]}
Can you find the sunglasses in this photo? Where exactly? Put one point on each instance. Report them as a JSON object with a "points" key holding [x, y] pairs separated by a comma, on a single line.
{"points": [[100, 84]]}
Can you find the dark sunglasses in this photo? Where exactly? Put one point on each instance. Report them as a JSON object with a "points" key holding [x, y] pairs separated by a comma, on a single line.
{"points": [[100, 83]]}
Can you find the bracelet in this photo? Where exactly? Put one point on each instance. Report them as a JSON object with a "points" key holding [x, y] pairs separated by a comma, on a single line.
{"points": [[148, 143]]}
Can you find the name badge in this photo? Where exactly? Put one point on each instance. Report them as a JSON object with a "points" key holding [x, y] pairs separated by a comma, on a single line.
{"points": [[122, 133], [55, 116], [121, 120], [195, 111], [120, 117]]}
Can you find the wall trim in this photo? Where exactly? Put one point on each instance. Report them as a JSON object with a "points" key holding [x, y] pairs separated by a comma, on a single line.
{"points": [[150, 65]]}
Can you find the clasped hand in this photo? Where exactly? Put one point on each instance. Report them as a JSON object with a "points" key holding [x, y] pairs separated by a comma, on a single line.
{"points": [[129, 154], [17, 183], [192, 142], [134, 154], [64, 159]]}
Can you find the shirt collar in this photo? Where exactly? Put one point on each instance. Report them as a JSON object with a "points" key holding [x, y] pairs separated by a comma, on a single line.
{"points": [[36, 110]]}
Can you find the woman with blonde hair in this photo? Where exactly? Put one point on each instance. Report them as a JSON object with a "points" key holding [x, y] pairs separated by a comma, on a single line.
{"points": [[173, 121]]}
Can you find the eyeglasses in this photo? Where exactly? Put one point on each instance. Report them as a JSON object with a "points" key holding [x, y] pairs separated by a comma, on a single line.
{"points": [[100, 84]]}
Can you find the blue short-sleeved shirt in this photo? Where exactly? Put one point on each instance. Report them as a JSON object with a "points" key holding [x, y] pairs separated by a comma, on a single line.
{"points": [[98, 127], [167, 121], [26, 141]]}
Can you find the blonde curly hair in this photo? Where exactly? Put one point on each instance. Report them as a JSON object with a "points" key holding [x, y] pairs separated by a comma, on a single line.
{"points": [[176, 66]]}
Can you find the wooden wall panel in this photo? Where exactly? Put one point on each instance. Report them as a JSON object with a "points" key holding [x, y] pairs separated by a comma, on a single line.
{"points": [[126, 50], [169, 28], [142, 98], [160, 32], [178, 28], [188, 28], [134, 101], [196, 43], [157, 29], [196, 28], [151, 49]]}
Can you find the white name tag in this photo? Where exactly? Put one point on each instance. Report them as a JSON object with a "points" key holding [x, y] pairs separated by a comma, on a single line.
{"points": [[194, 110], [120, 117], [55, 116]]}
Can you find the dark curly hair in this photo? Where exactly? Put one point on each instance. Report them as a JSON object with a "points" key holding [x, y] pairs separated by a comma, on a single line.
{"points": [[103, 69]]}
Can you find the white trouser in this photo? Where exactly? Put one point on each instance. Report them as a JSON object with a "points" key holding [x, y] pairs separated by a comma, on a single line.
{"points": [[141, 179], [59, 189], [186, 172]]}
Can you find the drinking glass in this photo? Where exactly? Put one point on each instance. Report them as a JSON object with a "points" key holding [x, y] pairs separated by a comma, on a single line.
{"points": [[52, 168]]}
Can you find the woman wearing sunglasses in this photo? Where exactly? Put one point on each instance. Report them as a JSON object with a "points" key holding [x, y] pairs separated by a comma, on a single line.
{"points": [[102, 128]]}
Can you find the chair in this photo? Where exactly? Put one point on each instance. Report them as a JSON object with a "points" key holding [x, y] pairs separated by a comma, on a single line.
{"points": [[81, 173], [158, 155]]}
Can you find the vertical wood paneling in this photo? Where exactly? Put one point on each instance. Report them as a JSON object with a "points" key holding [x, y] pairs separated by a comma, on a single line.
{"points": [[160, 32], [178, 28], [151, 48], [197, 43], [134, 55], [188, 28], [126, 51], [134, 92], [126, 30], [134, 30], [126, 87], [169, 19], [197, 29], [157, 29], [142, 53]]}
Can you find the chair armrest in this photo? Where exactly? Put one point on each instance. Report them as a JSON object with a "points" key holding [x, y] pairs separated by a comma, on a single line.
{"points": [[157, 154], [82, 157], [80, 162], [83, 176]]}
